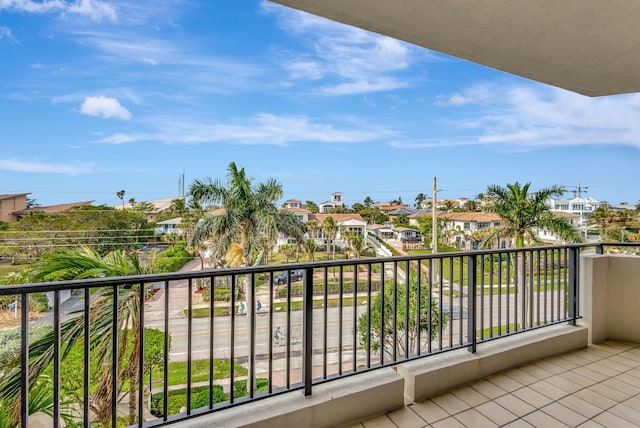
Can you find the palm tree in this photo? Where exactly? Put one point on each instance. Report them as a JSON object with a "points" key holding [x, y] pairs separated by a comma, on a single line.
{"points": [[81, 264], [288, 250], [310, 248], [312, 226], [330, 228], [120, 195], [249, 213], [358, 245], [420, 198], [521, 214]]}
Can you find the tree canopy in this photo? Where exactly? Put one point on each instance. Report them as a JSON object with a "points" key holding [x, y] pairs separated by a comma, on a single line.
{"points": [[249, 213], [522, 213]]}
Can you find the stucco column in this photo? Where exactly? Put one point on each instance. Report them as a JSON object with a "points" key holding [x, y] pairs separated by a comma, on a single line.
{"points": [[610, 297]]}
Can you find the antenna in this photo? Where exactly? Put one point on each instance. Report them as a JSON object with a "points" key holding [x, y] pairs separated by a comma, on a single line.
{"points": [[578, 190]]}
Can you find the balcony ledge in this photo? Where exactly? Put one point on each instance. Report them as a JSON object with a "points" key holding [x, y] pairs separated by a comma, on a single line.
{"points": [[431, 376], [332, 403]]}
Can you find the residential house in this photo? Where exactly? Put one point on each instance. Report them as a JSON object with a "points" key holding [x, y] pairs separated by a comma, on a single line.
{"points": [[578, 205], [169, 227], [335, 202], [574, 219], [406, 234], [153, 208], [293, 203], [10, 203], [460, 228], [382, 231], [50, 209], [414, 219]]}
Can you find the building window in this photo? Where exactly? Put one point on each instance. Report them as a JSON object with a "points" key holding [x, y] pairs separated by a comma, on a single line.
{"points": [[483, 225], [467, 226]]}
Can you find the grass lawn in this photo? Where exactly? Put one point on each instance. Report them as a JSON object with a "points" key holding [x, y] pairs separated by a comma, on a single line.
{"points": [[177, 374]]}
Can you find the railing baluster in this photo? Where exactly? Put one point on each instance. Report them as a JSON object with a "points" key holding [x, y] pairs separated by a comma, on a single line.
{"points": [[382, 312], [250, 306], [418, 309], [141, 302], [212, 342], [189, 341], [24, 359], [252, 336], [406, 310], [56, 359], [325, 327], [472, 289], [86, 382], [354, 339], [115, 331], [307, 351], [165, 363], [340, 327], [369, 266]]}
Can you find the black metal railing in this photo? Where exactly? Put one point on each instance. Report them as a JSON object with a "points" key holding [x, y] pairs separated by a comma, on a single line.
{"points": [[159, 348]]}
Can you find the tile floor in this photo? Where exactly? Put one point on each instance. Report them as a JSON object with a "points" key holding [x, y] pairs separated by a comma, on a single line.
{"points": [[598, 386]]}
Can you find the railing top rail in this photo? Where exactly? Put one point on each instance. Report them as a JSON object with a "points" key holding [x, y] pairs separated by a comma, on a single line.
{"points": [[222, 272]]}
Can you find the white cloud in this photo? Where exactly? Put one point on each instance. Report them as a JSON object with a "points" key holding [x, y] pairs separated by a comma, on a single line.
{"points": [[360, 61], [524, 117], [264, 129], [97, 10], [32, 167], [478, 94], [104, 107], [5, 33], [362, 86]]}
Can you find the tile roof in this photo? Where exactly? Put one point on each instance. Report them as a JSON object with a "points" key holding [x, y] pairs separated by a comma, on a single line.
{"points": [[52, 208]]}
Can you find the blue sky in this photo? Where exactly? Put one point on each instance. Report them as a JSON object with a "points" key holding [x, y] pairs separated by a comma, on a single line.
{"points": [[99, 96]]}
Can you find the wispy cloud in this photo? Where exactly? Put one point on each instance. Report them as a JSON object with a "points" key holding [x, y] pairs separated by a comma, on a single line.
{"points": [[525, 117], [263, 129], [34, 167], [363, 62], [478, 94], [96, 10], [105, 107], [5, 33]]}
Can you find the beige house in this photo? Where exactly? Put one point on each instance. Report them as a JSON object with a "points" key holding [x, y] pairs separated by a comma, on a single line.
{"points": [[50, 209], [11, 203], [460, 228]]}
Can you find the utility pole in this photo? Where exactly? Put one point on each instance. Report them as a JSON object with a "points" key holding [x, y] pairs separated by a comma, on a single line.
{"points": [[434, 222]]}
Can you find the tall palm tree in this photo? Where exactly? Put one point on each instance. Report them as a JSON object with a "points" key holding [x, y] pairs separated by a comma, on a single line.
{"points": [[358, 245], [521, 214], [330, 228], [120, 195], [420, 198], [249, 213], [81, 264]]}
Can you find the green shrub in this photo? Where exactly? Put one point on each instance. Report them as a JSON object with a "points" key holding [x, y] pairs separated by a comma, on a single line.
{"points": [[38, 302]]}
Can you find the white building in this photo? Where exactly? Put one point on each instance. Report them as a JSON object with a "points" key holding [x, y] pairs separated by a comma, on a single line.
{"points": [[335, 202], [582, 206]]}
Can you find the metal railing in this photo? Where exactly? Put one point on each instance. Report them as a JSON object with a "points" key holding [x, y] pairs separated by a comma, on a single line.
{"points": [[182, 345]]}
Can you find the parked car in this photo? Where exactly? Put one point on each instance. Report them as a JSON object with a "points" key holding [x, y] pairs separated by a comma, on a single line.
{"points": [[281, 278]]}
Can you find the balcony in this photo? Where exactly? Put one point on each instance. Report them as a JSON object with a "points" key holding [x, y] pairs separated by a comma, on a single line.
{"points": [[340, 359]]}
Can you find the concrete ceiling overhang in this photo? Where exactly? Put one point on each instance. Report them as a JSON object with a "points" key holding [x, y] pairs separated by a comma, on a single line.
{"points": [[587, 46]]}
